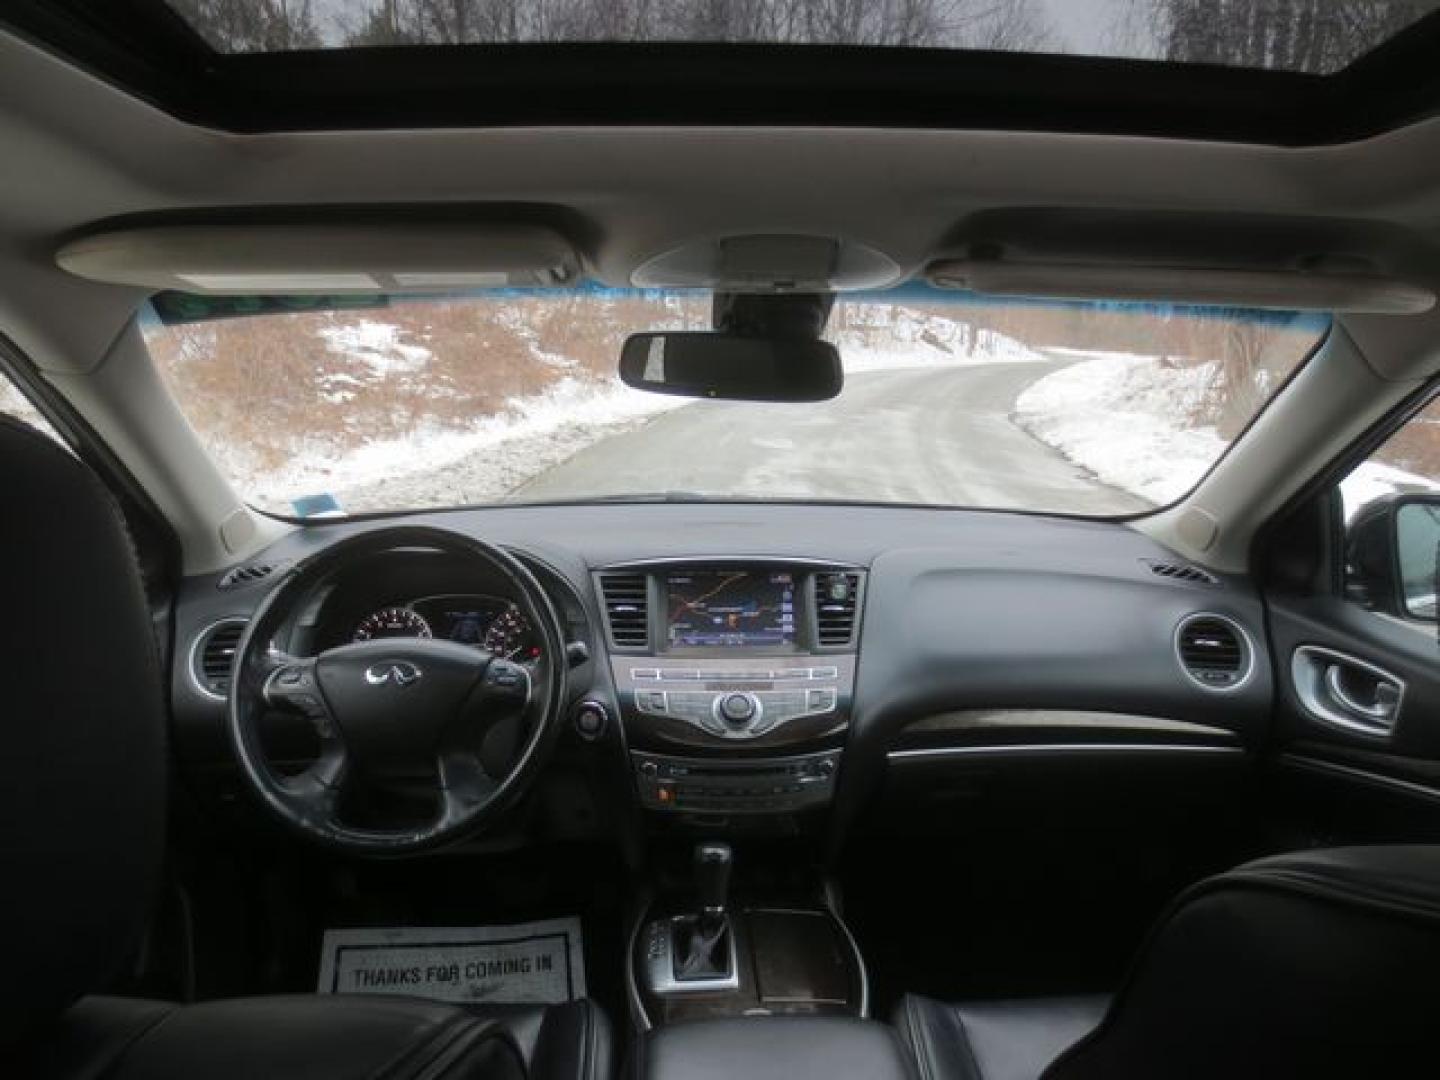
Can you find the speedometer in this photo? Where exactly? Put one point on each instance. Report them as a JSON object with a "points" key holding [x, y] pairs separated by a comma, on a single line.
{"points": [[509, 635], [392, 622]]}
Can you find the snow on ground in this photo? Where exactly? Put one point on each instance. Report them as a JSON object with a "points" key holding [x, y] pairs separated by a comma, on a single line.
{"points": [[1119, 415], [1372, 480], [377, 345], [440, 466]]}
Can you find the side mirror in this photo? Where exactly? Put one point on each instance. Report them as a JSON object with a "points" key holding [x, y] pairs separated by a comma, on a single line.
{"points": [[732, 367], [1393, 551]]}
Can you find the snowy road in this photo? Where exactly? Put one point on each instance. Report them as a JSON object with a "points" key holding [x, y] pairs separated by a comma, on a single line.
{"points": [[939, 435]]}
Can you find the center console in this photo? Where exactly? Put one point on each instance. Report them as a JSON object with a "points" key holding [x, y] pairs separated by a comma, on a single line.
{"points": [[735, 680], [714, 950]]}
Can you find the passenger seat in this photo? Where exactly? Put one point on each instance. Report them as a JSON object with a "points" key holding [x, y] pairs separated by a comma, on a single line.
{"points": [[1316, 965]]}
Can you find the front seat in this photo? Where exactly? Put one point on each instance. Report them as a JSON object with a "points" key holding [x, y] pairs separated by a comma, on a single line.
{"points": [[1317, 965], [82, 835]]}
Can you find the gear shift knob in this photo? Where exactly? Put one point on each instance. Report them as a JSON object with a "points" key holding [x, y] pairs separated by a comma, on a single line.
{"points": [[712, 878]]}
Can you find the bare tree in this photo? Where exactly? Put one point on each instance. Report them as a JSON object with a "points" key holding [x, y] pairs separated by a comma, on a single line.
{"points": [[997, 24], [253, 25], [1295, 35]]}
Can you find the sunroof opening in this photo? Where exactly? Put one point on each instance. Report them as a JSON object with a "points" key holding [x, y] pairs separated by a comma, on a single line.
{"points": [[1311, 36]]}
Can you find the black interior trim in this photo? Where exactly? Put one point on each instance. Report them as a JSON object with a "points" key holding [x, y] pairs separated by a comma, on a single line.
{"points": [[143, 47]]}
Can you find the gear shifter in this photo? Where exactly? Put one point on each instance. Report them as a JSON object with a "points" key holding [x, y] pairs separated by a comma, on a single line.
{"points": [[712, 880], [702, 940]]}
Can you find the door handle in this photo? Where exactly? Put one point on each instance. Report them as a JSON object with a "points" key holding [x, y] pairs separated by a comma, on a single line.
{"points": [[1345, 692], [1387, 695]]}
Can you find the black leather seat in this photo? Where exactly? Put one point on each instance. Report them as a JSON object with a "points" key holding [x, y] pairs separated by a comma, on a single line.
{"points": [[82, 831], [1314, 965]]}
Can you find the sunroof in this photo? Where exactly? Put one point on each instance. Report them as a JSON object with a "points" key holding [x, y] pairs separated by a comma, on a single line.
{"points": [[1310, 36]]}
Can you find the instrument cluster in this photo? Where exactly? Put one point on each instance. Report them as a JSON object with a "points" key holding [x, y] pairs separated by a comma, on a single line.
{"points": [[492, 623]]}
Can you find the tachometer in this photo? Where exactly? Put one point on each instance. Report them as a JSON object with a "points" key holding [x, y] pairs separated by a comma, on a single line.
{"points": [[392, 622], [509, 635]]}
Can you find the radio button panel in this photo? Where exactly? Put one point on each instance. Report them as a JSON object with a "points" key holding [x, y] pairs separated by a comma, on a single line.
{"points": [[717, 786], [735, 703]]}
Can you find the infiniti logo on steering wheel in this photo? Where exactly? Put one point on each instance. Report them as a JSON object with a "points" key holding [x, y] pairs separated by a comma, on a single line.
{"points": [[399, 672]]}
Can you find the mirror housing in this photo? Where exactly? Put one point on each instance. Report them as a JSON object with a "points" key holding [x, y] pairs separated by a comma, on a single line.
{"points": [[1392, 548], [732, 367]]}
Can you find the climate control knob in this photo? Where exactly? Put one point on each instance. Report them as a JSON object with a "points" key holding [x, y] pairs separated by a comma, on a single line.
{"points": [[737, 710]]}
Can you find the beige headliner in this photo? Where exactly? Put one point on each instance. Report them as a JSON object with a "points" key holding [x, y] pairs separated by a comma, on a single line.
{"points": [[78, 151]]}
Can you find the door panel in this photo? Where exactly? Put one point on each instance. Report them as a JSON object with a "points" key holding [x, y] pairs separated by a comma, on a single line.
{"points": [[1336, 738]]}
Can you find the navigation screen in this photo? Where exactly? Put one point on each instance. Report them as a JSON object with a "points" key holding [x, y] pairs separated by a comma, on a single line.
{"points": [[731, 608]]}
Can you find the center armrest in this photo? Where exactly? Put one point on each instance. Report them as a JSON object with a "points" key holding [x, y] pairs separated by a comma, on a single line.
{"points": [[775, 1048]]}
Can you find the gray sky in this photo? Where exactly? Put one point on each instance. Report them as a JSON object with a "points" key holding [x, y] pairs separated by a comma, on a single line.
{"points": [[1081, 25]]}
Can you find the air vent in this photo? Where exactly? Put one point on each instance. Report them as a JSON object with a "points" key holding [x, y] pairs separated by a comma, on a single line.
{"points": [[837, 598], [1181, 572], [627, 609], [245, 575], [1214, 651], [213, 657]]}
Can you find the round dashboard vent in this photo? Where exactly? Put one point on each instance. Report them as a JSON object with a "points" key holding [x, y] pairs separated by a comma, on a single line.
{"points": [[1214, 651], [213, 655]]}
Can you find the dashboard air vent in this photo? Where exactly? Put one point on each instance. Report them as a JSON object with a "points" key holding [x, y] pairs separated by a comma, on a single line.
{"points": [[837, 596], [245, 575], [1214, 651], [1181, 572], [214, 656], [627, 609]]}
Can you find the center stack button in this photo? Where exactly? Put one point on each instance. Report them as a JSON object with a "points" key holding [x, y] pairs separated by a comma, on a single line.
{"points": [[738, 711]]}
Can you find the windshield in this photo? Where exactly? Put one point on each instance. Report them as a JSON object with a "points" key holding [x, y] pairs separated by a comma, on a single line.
{"points": [[511, 396]]}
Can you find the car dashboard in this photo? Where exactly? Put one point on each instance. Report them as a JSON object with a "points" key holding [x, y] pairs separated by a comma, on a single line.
{"points": [[776, 667]]}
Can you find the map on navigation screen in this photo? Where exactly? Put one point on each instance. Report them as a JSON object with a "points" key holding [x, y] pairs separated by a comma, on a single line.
{"points": [[731, 608]]}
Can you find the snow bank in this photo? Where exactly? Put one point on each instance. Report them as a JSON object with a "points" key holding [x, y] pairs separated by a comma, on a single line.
{"points": [[445, 465], [1122, 417]]}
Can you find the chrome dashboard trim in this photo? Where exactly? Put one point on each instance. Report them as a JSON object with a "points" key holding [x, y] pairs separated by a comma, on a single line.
{"points": [[831, 892], [937, 753]]}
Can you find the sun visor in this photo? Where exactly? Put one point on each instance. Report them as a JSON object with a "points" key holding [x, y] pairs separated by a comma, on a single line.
{"points": [[299, 258], [1288, 290], [1247, 260]]}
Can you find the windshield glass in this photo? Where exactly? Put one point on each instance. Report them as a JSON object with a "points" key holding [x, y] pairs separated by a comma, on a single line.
{"points": [[511, 396]]}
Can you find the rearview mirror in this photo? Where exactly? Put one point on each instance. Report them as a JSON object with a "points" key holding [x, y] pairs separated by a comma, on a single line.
{"points": [[732, 367], [1393, 549]]}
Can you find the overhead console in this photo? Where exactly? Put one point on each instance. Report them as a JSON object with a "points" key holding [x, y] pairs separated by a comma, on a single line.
{"points": [[735, 679]]}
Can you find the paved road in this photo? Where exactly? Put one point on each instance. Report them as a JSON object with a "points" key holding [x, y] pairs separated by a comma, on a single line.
{"points": [[927, 436]]}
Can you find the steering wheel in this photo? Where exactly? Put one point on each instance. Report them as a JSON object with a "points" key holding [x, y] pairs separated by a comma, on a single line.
{"points": [[473, 727]]}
